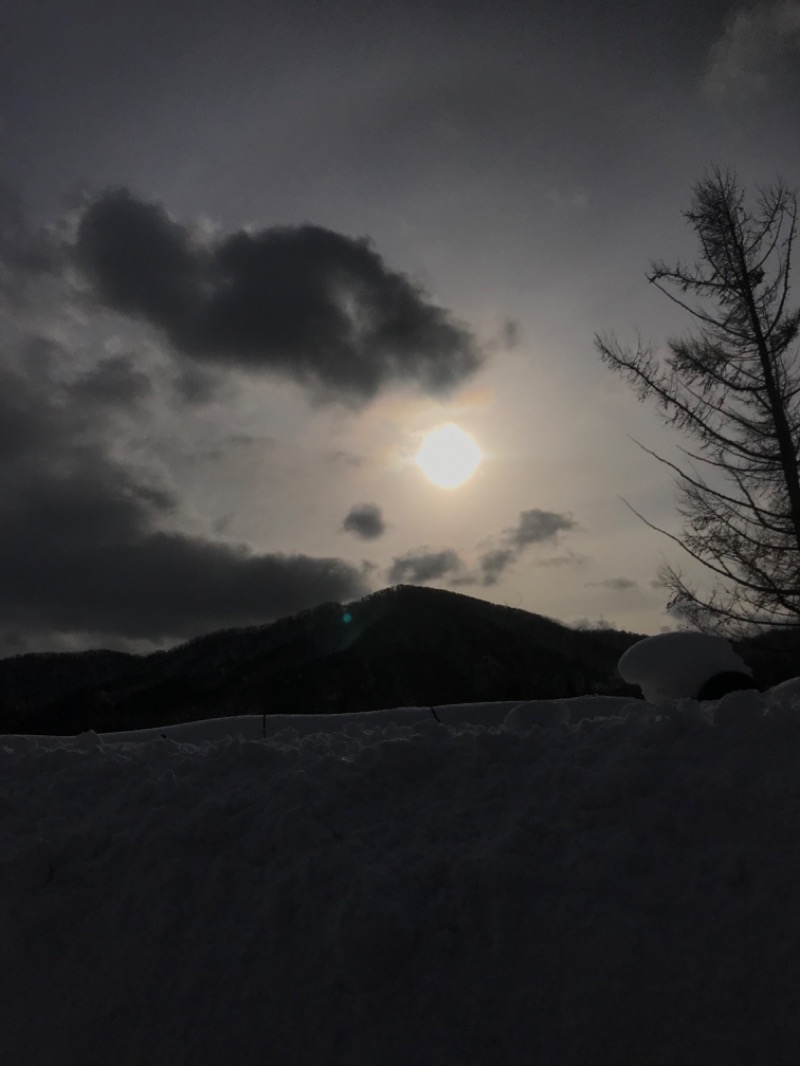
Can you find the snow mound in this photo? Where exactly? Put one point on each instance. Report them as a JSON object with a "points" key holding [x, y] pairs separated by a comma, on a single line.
{"points": [[598, 881], [672, 665]]}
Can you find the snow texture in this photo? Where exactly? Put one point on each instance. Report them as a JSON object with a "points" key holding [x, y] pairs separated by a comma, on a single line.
{"points": [[591, 880], [672, 665]]}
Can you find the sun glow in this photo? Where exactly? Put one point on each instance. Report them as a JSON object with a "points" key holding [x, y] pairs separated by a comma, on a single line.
{"points": [[448, 456]]}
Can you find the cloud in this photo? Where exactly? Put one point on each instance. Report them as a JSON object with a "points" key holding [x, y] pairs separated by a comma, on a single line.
{"points": [[79, 553], [571, 558], [88, 548], [25, 254], [758, 52], [535, 526], [303, 302], [114, 381], [365, 520], [196, 385], [615, 584], [492, 564], [45, 417], [420, 566]]}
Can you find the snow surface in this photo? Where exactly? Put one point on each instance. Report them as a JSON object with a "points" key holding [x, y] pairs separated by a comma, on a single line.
{"points": [[583, 881], [672, 665]]}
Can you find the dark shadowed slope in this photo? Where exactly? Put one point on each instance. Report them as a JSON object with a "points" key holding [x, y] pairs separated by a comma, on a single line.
{"points": [[401, 646]]}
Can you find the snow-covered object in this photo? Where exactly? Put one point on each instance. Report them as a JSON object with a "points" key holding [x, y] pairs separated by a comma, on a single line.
{"points": [[607, 882], [675, 665]]}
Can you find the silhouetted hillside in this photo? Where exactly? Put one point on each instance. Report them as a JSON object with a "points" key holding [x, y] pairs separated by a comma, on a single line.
{"points": [[773, 656], [401, 646], [30, 682]]}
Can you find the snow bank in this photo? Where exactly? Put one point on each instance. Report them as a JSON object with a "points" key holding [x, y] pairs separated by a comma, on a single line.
{"points": [[597, 881]]}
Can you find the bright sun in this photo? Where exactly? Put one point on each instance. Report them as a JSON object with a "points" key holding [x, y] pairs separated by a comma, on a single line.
{"points": [[448, 456]]}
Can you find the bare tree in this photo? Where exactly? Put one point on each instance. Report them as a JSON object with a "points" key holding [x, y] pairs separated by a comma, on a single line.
{"points": [[733, 386]]}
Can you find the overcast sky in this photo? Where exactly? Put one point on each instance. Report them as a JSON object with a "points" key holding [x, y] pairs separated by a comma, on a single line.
{"points": [[250, 253]]}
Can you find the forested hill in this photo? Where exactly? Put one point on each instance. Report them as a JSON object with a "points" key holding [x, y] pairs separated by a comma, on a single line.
{"points": [[402, 646]]}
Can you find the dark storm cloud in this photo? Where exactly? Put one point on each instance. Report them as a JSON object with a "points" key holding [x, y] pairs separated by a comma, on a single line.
{"points": [[46, 418], [420, 566], [140, 260], [89, 548], [615, 584], [365, 520], [22, 426], [99, 571], [83, 548], [79, 553], [313, 305]]}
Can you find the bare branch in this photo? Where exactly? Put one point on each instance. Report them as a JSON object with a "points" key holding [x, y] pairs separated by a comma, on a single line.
{"points": [[734, 385]]}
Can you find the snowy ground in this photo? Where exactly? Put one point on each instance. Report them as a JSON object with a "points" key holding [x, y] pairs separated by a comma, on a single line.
{"points": [[566, 883]]}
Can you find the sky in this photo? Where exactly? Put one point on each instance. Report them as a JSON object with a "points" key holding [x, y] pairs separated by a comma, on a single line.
{"points": [[596, 879], [251, 254]]}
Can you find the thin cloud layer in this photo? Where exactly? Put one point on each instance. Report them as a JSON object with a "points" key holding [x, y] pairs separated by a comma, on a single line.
{"points": [[570, 558], [493, 563], [303, 302], [25, 254], [758, 52], [533, 527], [420, 566], [615, 584], [365, 520]]}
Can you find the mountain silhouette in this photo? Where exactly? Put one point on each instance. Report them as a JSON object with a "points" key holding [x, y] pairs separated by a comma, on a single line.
{"points": [[402, 646]]}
